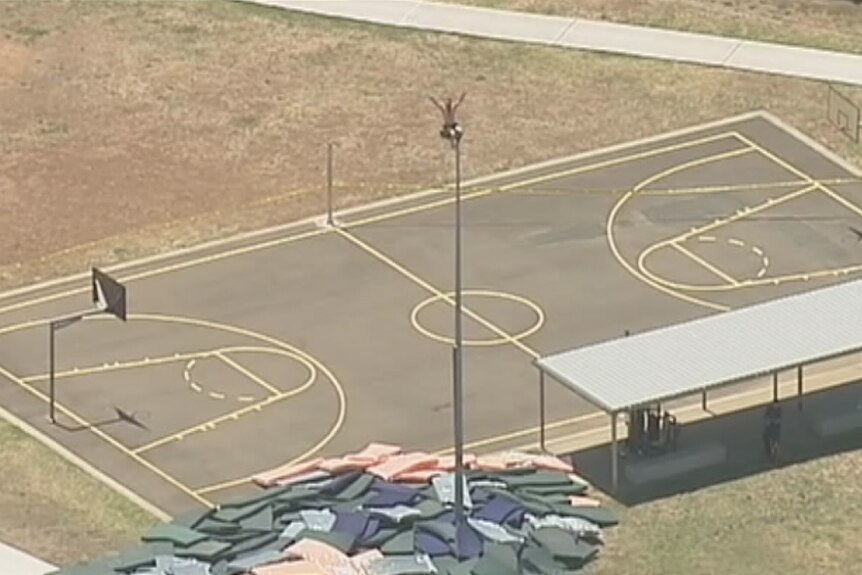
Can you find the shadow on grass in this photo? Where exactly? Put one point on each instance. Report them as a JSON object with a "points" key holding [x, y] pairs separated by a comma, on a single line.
{"points": [[739, 435]]}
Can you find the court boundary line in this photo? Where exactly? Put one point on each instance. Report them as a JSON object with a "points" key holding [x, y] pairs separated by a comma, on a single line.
{"points": [[805, 178], [770, 155], [348, 235], [377, 205], [690, 190], [109, 439], [136, 454], [83, 465]]}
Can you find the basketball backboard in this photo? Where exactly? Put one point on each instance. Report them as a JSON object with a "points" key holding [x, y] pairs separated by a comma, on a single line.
{"points": [[844, 114]]}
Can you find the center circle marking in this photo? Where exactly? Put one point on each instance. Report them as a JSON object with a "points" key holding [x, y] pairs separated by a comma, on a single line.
{"points": [[540, 318]]}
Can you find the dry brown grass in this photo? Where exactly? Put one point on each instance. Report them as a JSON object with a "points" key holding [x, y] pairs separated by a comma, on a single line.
{"points": [[130, 128], [133, 127], [802, 519], [53, 510], [828, 24]]}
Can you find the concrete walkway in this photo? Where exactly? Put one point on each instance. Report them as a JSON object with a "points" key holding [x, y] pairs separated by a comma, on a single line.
{"points": [[15, 562], [592, 35]]}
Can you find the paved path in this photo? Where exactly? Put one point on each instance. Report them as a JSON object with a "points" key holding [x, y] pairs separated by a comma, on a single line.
{"points": [[593, 35], [15, 562]]}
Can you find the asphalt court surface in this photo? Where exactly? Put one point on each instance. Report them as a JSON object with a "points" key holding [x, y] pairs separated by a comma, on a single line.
{"points": [[312, 342]]}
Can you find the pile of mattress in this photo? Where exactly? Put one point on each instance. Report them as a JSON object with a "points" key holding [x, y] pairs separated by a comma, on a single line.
{"points": [[384, 512]]}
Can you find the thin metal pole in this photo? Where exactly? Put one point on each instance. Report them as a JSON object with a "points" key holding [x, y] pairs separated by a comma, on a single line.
{"points": [[703, 400], [329, 219], [51, 416], [774, 386], [458, 408], [614, 454], [54, 325], [542, 410]]}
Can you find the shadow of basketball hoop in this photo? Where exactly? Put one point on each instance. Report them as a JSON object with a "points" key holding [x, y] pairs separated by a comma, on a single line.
{"points": [[121, 416]]}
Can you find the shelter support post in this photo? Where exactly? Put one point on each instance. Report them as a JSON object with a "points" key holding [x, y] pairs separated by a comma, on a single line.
{"points": [[774, 386], [51, 394], [615, 459], [799, 387], [542, 410], [703, 400]]}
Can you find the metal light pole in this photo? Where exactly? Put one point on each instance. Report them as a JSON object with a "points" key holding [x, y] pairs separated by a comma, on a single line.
{"points": [[330, 221], [453, 132]]}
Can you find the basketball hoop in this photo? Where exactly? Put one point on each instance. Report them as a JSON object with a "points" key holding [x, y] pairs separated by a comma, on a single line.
{"points": [[844, 114]]}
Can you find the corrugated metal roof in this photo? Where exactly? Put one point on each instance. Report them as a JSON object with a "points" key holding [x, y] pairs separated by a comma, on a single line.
{"points": [[723, 348]]}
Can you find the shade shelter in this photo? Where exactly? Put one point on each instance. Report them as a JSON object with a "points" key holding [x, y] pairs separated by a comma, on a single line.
{"points": [[707, 353]]}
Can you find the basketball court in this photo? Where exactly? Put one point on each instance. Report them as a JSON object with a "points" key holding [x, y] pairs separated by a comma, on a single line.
{"points": [[312, 340]]}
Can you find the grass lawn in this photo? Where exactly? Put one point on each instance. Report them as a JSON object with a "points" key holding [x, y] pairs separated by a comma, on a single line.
{"points": [[827, 24], [133, 127], [54, 510], [800, 519]]}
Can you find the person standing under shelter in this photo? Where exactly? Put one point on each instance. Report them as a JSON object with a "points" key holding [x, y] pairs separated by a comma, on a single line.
{"points": [[772, 428]]}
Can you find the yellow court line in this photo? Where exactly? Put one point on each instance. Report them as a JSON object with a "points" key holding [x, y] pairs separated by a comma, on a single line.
{"points": [[209, 424], [481, 193], [752, 187], [540, 319], [107, 438], [823, 186], [235, 414], [618, 161], [508, 436], [139, 363], [253, 247], [742, 214], [232, 415], [540, 179], [390, 215], [612, 216], [427, 286], [765, 281], [842, 200], [697, 259], [248, 373], [168, 269], [741, 187], [339, 390], [107, 368], [299, 355], [772, 156], [223, 485], [772, 202], [699, 161]]}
